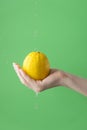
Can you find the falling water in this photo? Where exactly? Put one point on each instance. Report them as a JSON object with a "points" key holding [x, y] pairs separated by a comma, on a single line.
{"points": [[36, 107], [35, 35]]}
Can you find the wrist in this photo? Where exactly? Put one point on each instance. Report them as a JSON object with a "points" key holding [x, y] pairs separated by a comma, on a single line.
{"points": [[66, 79], [61, 78]]}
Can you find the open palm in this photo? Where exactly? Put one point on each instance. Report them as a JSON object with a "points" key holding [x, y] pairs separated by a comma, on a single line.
{"points": [[52, 80]]}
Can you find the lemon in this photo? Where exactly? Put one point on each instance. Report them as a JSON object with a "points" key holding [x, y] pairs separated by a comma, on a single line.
{"points": [[36, 65]]}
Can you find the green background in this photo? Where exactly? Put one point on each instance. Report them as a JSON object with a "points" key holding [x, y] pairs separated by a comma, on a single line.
{"points": [[59, 29]]}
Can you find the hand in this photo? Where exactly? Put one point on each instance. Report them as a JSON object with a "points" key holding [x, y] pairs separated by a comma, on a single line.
{"points": [[55, 78]]}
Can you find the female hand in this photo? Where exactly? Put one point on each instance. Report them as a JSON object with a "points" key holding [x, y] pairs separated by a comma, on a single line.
{"points": [[55, 78]]}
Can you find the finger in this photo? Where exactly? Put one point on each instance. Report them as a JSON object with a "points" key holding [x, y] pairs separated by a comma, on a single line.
{"points": [[16, 65], [30, 81], [22, 76], [17, 70], [25, 76]]}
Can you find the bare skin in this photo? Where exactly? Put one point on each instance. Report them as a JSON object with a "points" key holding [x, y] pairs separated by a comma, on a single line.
{"points": [[55, 78]]}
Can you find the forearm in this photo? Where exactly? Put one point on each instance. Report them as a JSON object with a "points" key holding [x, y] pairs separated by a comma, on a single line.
{"points": [[76, 83]]}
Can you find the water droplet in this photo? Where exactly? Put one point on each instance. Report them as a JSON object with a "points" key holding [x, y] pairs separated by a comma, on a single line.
{"points": [[36, 14], [35, 49], [35, 33], [36, 106], [36, 93]]}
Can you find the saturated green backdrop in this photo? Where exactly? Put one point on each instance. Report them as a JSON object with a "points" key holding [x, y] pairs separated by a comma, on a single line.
{"points": [[59, 29]]}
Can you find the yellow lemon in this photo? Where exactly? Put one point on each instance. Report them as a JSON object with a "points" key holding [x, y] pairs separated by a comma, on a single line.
{"points": [[36, 65]]}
